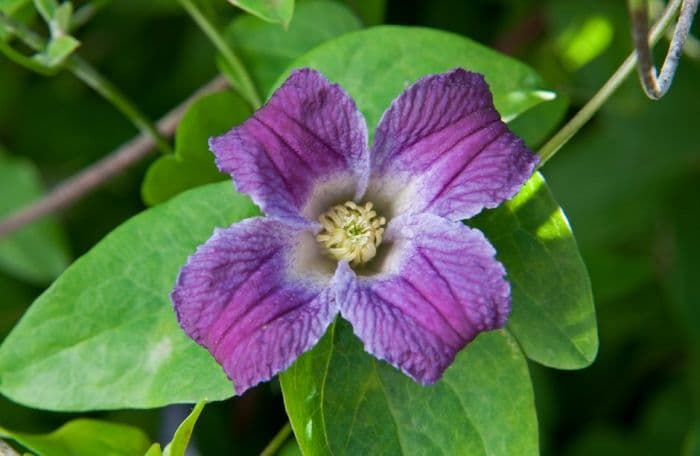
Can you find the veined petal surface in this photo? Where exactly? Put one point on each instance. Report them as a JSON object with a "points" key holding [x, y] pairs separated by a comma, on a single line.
{"points": [[308, 139], [442, 148], [439, 286], [241, 297]]}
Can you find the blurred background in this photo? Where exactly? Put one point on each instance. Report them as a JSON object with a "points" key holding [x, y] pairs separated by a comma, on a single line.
{"points": [[629, 182]]}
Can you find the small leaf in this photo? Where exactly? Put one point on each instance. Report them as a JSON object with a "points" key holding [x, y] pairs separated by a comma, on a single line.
{"points": [[276, 11], [46, 8], [340, 400], [57, 51], [62, 17], [267, 49], [183, 433], [84, 436], [193, 164], [107, 324], [38, 252], [553, 316]]}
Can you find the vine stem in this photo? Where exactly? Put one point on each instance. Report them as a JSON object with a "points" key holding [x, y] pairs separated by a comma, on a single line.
{"points": [[655, 86], [93, 79], [277, 441], [243, 83], [100, 172], [563, 136]]}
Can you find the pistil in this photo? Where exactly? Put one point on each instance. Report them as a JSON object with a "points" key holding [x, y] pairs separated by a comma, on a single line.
{"points": [[351, 232]]}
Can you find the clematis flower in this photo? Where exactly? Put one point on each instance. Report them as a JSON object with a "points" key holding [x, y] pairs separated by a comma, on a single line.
{"points": [[373, 234]]}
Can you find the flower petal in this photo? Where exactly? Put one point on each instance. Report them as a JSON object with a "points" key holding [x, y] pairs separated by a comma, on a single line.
{"points": [[439, 288], [241, 297], [443, 144], [307, 139]]}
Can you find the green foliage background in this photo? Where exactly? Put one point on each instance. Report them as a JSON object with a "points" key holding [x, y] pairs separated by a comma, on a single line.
{"points": [[628, 182]]}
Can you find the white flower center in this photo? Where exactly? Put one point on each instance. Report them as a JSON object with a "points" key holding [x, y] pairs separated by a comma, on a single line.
{"points": [[351, 232]]}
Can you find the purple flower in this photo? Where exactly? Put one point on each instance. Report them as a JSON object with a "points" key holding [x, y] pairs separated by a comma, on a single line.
{"points": [[373, 234]]}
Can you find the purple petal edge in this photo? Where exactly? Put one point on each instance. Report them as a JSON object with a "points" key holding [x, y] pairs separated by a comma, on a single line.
{"points": [[443, 140], [445, 288], [239, 297], [309, 133]]}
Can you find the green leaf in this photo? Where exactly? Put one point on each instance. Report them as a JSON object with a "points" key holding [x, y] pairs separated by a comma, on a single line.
{"points": [[46, 8], [266, 50], [276, 11], [183, 433], [553, 316], [559, 301], [375, 75], [107, 324], [537, 123], [57, 51], [84, 436], [178, 445], [342, 401], [12, 6], [193, 164], [38, 252], [62, 17]]}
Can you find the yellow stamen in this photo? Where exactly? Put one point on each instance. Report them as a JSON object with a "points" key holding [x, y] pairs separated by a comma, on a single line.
{"points": [[351, 232]]}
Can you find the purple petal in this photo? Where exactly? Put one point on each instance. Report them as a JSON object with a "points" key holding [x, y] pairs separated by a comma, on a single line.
{"points": [[443, 143], [439, 287], [241, 296], [307, 139]]}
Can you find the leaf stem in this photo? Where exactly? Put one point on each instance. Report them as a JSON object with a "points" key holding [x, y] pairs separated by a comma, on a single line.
{"points": [[90, 76], [243, 83], [589, 109], [277, 441]]}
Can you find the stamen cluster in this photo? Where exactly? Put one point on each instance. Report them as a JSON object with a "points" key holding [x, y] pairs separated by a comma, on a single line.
{"points": [[351, 232]]}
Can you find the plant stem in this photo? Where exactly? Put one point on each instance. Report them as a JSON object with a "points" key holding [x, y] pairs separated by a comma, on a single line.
{"points": [[100, 172], [589, 109], [277, 441], [656, 86], [90, 76], [243, 83]]}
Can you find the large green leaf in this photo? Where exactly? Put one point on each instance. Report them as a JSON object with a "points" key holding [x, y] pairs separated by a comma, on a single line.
{"points": [[84, 437], [375, 75], [553, 315], [104, 335], [37, 253], [276, 11], [551, 286], [339, 399], [342, 401], [193, 163], [267, 49]]}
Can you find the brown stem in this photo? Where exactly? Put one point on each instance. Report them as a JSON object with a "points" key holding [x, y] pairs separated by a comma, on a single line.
{"points": [[97, 174], [657, 84]]}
